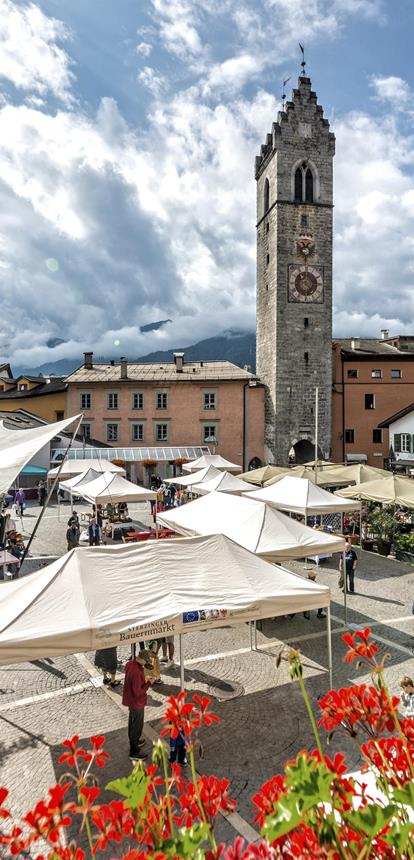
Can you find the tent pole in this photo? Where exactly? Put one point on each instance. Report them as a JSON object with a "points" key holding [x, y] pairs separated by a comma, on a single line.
{"points": [[329, 634], [133, 650], [255, 635], [360, 524], [181, 653], [251, 635], [345, 586]]}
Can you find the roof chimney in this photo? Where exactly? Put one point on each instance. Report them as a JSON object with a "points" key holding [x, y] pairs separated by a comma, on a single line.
{"points": [[87, 360], [124, 368], [355, 343], [179, 361], [385, 333]]}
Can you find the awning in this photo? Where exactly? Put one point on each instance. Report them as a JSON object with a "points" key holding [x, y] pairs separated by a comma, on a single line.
{"points": [[98, 597], [18, 447], [34, 470], [356, 458], [77, 467]]}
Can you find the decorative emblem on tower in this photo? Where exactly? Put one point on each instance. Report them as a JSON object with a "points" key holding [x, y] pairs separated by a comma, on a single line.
{"points": [[305, 248]]}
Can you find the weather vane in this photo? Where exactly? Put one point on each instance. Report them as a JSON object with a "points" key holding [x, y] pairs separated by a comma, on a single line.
{"points": [[303, 63], [283, 92]]}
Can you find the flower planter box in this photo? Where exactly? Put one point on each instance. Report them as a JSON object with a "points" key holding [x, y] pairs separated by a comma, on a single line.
{"points": [[404, 555]]}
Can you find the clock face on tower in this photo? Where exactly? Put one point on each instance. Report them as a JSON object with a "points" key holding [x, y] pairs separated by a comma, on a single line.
{"points": [[305, 283]]}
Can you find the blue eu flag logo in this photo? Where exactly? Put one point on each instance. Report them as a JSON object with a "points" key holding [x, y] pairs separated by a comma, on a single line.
{"points": [[188, 617]]}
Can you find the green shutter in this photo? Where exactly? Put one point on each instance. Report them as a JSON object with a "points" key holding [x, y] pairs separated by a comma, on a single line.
{"points": [[409, 443], [397, 442]]}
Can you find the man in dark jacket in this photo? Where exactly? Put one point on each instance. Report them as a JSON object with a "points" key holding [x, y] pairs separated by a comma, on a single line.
{"points": [[135, 698], [94, 533], [72, 536]]}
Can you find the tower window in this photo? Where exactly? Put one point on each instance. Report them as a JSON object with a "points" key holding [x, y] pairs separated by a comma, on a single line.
{"points": [[267, 259], [298, 186], [306, 357], [304, 221], [267, 227], [309, 186], [306, 322], [266, 195]]}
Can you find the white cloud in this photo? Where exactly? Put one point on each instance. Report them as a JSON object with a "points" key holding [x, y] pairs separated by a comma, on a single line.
{"points": [[144, 49], [178, 26], [29, 54], [152, 81], [392, 89]]}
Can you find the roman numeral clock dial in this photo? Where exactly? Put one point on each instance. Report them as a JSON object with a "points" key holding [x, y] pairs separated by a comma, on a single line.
{"points": [[306, 283]]}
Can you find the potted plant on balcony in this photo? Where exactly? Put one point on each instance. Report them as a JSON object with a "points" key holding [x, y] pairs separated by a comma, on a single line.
{"points": [[384, 528]]}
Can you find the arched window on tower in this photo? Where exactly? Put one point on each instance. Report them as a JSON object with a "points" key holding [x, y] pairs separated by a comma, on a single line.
{"points": [[309, 186], [298, 186], [266, 196]]}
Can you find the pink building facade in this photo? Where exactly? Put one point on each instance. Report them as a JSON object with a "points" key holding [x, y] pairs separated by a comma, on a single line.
{"points": [[211, 403]]}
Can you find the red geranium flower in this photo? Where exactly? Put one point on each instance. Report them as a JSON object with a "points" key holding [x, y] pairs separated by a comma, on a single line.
{"points": [[359, 647]]}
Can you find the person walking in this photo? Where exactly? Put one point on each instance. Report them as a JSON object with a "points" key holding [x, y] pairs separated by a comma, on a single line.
{"points": [[20, 500], [94, 533], [106, 659], [167, 642], [351, 561], [41, 493], [134, 697], [72, 536]]}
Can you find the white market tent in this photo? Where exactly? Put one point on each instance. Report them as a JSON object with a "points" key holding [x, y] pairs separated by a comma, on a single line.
{"points": [[224, 482], [99, 597], [252, 524], [69, 486], [76, 467], [18, 447], [111, 487], [211, 460], [390, 490], [300, 496], [195, 477]]}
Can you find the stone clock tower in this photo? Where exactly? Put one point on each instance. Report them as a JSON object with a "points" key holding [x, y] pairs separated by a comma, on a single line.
{"points": [[294, 276]]}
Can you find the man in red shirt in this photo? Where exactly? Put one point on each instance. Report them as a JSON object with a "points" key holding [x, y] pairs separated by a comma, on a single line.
{"points": [[135, 698]]}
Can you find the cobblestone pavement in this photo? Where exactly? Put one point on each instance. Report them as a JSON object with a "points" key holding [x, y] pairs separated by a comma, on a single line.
{"points": [[262, 726]]}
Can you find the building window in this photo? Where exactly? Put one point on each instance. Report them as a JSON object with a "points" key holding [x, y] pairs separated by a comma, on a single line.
{"points": [[396, 374], [306, 357], [376, 374], [304, 221], [23, 387], [377, 435], [86, 431], [406, 443], [266, 196], [306, 322], [59, 415], [112, 400], [112, 432], [210, 433], [85, 400], [267, 259], [161, 432], [161, 400], [369, 401], [350, 436], [137, 432], [352, 373], [298, 185], [309, 186], [138, 400], [209, 398], [303, 184]]}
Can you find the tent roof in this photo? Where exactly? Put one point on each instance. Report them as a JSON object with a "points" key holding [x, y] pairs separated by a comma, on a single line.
{"points": [[224, 482], [97, 597], [110, 487], [195, 477], [325, 477], [78, 480], [302, 497], [265, 473], [359, 473], [390, 491], [17, 447], [252, 524], [75, 467], [211, 460]]}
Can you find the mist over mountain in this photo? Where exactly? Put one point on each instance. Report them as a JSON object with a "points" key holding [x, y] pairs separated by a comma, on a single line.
{"points": [[233, 345]]}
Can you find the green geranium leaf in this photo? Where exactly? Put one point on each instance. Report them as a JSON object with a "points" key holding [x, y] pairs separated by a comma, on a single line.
{"points": [[372, 819], [405, 795], [399, 836], [133, 787]]}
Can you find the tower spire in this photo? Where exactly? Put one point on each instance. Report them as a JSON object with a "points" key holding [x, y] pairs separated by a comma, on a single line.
{"points": [[303, 63]]}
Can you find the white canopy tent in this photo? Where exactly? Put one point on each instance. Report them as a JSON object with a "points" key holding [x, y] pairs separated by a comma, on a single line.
{"points": [[69, 486], [110, 487], [76, 467], [195, 477], [18, 447], [211, 460], [224, 482], [300, 496], [252, 524], [98, 597]]}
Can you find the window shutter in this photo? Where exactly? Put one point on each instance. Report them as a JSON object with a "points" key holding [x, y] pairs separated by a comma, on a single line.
{"points": [[410, 444], [397, 442]]}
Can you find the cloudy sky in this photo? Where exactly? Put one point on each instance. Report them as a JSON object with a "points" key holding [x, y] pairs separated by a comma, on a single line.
{"points": [[128, 130]]}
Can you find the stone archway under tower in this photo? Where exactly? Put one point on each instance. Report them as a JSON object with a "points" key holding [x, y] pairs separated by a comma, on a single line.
{"points": [[303, 451]]}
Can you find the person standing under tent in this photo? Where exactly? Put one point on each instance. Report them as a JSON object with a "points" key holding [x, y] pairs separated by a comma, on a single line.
{"points": [[134, 697], [106, 659], [167, 643], [94, 533], [74, 519], [351, 560], [20, 500], [41, 492]]}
